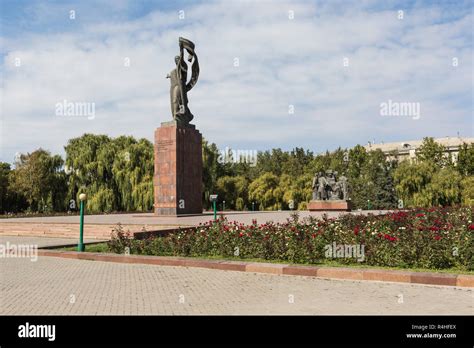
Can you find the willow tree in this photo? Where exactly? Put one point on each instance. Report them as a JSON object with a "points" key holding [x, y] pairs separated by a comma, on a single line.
{"points": [[117, 174], [265, 191], [230, 189]]}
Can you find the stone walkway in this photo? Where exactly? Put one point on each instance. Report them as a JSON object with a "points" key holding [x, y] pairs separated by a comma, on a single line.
{"points": [[42, 242], [63, 286], [150, 219]]}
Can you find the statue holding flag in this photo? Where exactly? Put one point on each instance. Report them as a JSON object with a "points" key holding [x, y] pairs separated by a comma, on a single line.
{"points": [[179, 85]]}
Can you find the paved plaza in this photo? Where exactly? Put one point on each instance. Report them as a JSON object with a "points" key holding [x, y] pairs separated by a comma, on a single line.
{"points": [[99, 227], [190, 220], [64, 286]]}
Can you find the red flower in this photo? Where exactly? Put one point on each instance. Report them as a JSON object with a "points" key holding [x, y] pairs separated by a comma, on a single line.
{"points": [[420, 215], [437, 237], [471, 227], [356, 230], [241, 234]]}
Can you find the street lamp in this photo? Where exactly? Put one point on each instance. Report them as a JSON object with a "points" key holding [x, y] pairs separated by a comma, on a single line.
{"points": [[253, 206], [81, 246], [223, 206], [213, 199]]}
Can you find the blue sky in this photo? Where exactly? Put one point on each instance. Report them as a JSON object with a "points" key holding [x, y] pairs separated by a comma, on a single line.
{"points": [[283, 62]]}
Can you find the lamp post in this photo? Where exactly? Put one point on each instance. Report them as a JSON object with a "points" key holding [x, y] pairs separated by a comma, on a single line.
{"points": [[81, 246], [253, 206], [223, 206], [213, 199]]}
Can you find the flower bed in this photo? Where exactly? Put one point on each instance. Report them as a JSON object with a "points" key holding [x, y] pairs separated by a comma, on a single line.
{"points": [[435, 238]]}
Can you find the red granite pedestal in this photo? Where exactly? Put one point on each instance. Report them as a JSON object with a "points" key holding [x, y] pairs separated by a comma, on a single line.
{"points": [[178, 170], [330, 205]]}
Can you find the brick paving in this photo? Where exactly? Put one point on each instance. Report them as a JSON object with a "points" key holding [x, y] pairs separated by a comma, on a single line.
{"points": [[65, 286]]}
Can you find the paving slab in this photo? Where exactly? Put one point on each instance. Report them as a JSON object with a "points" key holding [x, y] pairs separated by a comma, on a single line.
{"points": [[67, 286]]}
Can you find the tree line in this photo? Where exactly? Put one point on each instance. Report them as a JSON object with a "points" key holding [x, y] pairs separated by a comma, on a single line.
{"points": [[117, 175]]}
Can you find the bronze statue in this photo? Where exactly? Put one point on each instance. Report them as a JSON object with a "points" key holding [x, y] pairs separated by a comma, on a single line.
{"points": [[330, 187], [344, 187], [179, 88]]}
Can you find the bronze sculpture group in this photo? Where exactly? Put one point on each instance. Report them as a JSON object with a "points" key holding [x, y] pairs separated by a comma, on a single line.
{"points": [[329, 186]]}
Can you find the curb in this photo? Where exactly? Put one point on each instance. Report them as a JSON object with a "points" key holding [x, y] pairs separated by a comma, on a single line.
{"points": [[460, 280]]}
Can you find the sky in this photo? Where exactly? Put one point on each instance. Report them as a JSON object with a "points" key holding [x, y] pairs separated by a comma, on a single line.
{"points": [[274, 74]]}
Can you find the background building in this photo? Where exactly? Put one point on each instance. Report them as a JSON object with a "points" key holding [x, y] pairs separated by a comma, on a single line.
{"points": [[407, 149]]}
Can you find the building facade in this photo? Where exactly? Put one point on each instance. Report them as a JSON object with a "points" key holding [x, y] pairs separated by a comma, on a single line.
{"points": [[401, 151]]}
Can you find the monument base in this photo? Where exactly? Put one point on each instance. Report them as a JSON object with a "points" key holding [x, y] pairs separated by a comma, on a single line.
{"points": [[330, 205], [178, 170]]}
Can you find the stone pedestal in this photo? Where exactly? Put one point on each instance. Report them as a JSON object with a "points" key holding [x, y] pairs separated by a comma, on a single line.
{"points": [[338, 205], [178, 170]]}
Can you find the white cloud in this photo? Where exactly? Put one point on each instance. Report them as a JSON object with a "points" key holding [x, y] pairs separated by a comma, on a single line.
{"points": [[282, 62]]}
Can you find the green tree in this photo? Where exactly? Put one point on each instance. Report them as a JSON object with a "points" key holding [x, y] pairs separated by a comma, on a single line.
{"points": [[424, 185], [264, 190], [465, 163], [356, 159], [296, 191], [117, 174], [445, 188], [211, 171], [295, 163], [230, 189], [410, 180], [40, 178], [467, 193], [433, 152], [4, 183]]}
